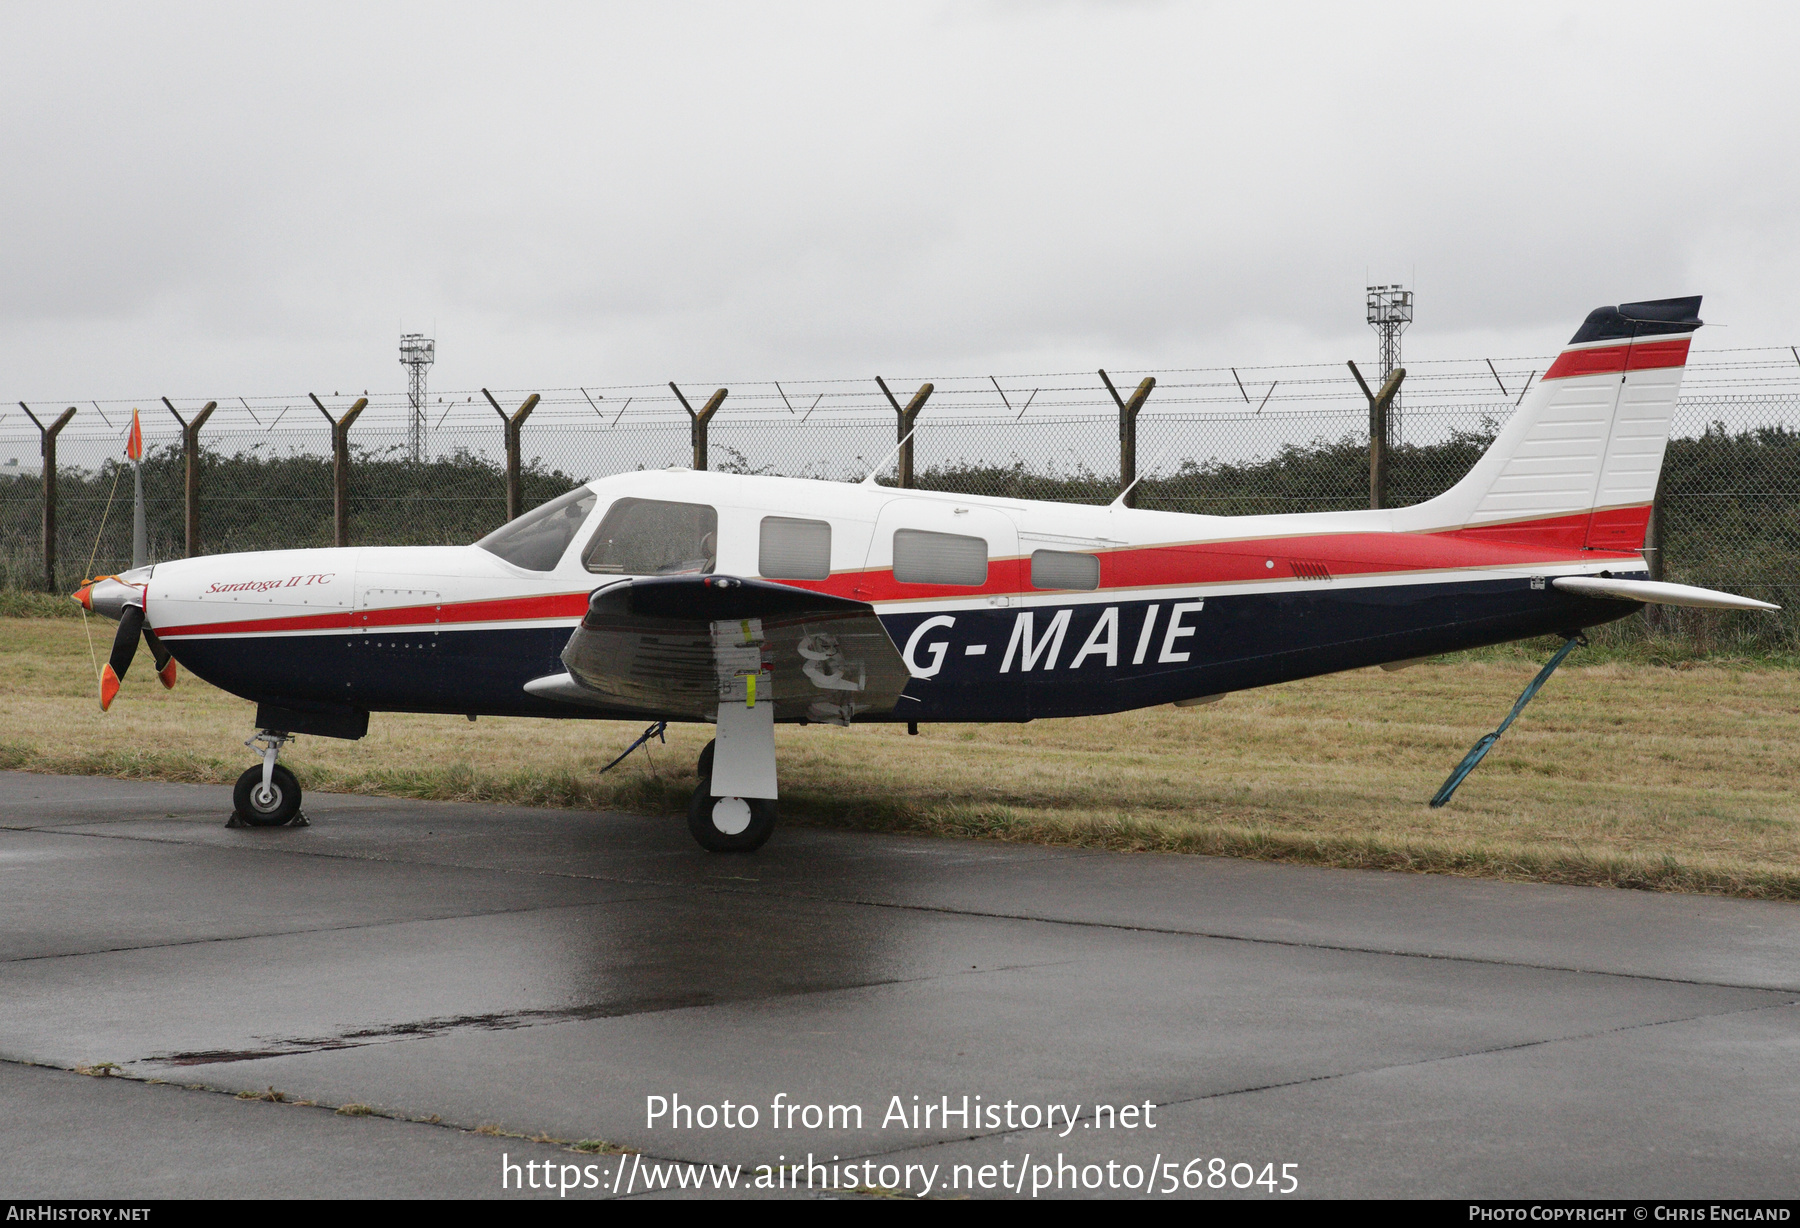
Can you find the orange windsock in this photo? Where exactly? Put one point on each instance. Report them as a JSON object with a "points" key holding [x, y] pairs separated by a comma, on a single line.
{"points": [[134, 441]]}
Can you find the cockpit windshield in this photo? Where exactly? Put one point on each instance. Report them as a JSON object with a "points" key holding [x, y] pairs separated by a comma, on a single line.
{"points": [[536, 541]]}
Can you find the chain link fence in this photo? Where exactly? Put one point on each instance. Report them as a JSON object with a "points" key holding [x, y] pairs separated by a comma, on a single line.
{"points": [[1218, 441]]}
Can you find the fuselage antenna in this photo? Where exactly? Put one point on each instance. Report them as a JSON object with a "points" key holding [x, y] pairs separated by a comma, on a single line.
{"points": [[891, 457], [1119, 502]]}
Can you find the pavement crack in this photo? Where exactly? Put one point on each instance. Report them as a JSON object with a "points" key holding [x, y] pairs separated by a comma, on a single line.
{"points": [[1336, 1075], [174, 944], [1514, 1047], [496, 1021], [484, 1130], [506, 1021], [1294, 943]]}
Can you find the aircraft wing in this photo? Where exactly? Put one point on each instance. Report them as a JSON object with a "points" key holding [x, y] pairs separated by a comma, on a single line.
{"points": [[675, 646]]}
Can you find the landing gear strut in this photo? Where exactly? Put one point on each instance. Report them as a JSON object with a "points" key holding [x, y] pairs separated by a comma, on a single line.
{"points": [[267, 796], [727, 824]]}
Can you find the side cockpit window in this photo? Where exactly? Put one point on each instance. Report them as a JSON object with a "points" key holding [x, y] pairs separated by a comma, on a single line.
{"points": [[536, 540], [790, 549], [654, 537]]}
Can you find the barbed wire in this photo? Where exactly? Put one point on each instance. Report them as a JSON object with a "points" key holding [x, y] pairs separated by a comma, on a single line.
{"points": [[1269, 390]]}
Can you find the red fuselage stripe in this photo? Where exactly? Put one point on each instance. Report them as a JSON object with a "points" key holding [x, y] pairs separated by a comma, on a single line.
{"points": [[1552, 540], [1549, 541], [503, 609]]}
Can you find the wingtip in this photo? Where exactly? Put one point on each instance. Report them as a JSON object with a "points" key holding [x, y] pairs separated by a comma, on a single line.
{"points": [[83, 596]]}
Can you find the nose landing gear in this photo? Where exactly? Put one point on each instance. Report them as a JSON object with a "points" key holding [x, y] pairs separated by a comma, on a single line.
{"points": [[268, 795]]}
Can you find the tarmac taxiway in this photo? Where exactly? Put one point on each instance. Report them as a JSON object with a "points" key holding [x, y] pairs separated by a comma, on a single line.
{"points": [[542, 973]]}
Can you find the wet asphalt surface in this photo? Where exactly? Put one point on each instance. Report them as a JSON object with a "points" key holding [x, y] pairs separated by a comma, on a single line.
{"points": [[544, 973]]}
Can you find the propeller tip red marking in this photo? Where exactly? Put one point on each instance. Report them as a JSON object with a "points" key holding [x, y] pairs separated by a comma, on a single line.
{"points": [[167, 674], [109, 687]]}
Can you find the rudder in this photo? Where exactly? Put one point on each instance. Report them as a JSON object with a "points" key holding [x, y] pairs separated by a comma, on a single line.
{"points": [[1578, 464]]}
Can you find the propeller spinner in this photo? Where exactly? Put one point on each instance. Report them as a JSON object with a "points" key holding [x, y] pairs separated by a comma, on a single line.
{"points": [[115, 598]]}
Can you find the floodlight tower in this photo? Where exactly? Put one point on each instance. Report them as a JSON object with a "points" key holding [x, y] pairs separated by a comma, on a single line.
{"points": [[1390, 311], [416, 353]]}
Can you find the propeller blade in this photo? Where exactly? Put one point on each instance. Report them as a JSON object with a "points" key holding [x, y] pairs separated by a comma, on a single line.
{"points": [[165, 662], [131, 623]]}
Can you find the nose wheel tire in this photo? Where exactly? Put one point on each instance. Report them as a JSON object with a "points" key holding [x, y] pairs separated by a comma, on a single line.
{"points": [[729, 824], [274, 808], [703, 768]]}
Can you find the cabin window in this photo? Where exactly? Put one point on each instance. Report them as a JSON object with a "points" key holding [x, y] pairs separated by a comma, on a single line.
{"points": [[922, 557], [794, 549], [1064, 569], [536, 540], [653, 537]]}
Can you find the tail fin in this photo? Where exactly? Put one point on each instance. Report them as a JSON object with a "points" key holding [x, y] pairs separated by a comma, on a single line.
{"points": [[1577, 465]]}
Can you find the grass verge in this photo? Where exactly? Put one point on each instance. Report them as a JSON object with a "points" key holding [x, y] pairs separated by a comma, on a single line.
{"points": [[19, 603], [1621, 774]]}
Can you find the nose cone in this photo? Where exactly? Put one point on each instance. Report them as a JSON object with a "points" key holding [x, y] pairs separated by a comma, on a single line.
{"points": [[109, 595]]}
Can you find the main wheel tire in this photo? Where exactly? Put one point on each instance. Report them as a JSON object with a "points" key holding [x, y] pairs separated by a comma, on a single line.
{"points": [[273, 811], [703, 768], [729, 824]]}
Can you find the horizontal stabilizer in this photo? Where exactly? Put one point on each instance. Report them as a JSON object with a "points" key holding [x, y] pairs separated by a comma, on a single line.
{"points": [[1654, 592]]}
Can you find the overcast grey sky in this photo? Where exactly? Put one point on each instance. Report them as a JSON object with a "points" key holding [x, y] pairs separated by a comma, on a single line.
{"points": [[213, 200]]}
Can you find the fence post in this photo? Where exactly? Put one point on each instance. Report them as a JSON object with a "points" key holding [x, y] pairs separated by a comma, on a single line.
{"points": [[1128, 416], [1653, 538], [340, 468], [1653, 554], [908, 419], [47, 443], [700, 421], [513, 495], [1379, 403], [190, 450]]}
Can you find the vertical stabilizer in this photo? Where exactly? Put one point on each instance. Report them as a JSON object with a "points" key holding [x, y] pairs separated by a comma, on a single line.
{"points": [[1578, 463]]}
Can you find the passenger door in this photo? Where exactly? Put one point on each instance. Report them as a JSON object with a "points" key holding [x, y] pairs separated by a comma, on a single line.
{"points": [[954, 635], [957, 519]]}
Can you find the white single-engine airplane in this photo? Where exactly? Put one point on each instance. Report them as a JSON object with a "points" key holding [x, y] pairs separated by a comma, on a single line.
{"points": [[743, 601]]}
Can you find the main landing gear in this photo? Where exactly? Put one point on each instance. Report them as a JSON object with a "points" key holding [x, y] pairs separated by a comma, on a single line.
{"points": [[727, 824], [267, 796]]}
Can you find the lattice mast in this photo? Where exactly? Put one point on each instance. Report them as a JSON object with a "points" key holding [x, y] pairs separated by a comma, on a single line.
{"points": [[417, 352], [1390, 311]]}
